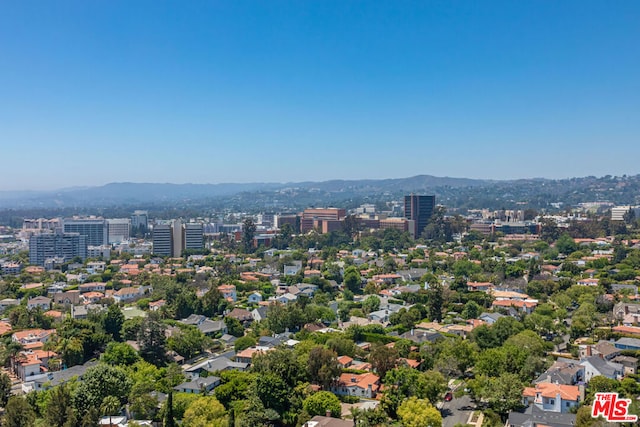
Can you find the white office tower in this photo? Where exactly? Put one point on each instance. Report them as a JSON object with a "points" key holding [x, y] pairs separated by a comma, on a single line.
{"points": [[119, 230]]}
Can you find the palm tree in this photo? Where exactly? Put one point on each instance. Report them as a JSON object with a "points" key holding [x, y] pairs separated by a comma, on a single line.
{"points": [[110, 406]]}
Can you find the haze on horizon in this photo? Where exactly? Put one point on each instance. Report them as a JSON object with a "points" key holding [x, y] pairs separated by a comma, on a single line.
{"points": [[290, 91]]}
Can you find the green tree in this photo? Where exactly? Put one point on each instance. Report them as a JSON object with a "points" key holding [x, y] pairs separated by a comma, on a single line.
{"points": [[382, 359], [322, 366], [5, 389], [18, 413], [321, 402], [112, 321], [435, 301], [99, 382], [244, 342], [205, 412], [120, 354], [352, 280], [187, 342], [72, 351], [152, 342], [110, 406], [565, 244], [415, 412], [371, 304], [283, 362], [402, 383], [503, 393], [601, 384], [234, 386], [273, 391], [471, 310], [248, 232], [234, 326], [169, 420], [59, 408]]}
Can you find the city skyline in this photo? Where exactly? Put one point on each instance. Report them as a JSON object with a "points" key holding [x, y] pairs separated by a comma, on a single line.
{"points": [[239, 92]]}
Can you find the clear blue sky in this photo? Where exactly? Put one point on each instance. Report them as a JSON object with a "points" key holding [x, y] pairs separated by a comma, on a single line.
{"points": [[93, 92]]}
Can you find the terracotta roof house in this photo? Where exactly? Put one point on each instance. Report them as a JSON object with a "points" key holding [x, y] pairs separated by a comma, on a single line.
{"points": [[553, 397], [362, 385]]}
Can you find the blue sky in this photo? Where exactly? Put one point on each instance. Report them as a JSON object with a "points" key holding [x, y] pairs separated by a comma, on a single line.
{"points": [[93, 92]]}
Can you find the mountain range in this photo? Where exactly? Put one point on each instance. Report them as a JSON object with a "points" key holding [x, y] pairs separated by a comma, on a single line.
{"points": [[455, 192]]}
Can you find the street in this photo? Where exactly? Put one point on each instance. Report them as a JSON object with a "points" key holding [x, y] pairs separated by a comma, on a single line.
{"points": [[457, 411]]}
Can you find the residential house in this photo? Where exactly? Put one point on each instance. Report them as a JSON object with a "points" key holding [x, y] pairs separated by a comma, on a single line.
{"points": [[324, 421], [92, 287], [8, 302], [157, 305], [30, 336], [286, 298], [240, 314], [361, 385], [628, 344], [381, 316], [272, 341], [526, 307], [254, 298], [552, 397], [205, 325], [246, 355], [293, 269], [92, 297], [43, 303], [603, 349], [563, 372], [387, 279], [479, 286], [595, 365], [32, 362], [259, 313], [420, 336], [630, 364], [536, 417], [127, 294], [345, 361], [53, 379], [213, 365], [67, 297], [228, 292], [621, 309], [490, 318], [198, 385]]}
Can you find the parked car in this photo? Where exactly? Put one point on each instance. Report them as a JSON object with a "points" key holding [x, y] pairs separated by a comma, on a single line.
{"points": [[448, 397]]}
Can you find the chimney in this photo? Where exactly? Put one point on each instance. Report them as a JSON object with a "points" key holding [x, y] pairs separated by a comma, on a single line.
{"points": [[328, 413]]}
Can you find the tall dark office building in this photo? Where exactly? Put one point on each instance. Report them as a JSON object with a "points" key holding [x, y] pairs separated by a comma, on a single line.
{"points": [[419, 209]]}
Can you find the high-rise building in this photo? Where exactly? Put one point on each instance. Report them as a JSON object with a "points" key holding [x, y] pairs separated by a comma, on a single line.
{"points": [[118, 230], [419, 209], [140, 220], [163, 238], [170, 238], [56, 245], [193, 235], [320, 219], [93, 228]]}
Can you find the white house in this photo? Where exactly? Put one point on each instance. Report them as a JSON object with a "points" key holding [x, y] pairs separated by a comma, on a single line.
{"points": [[42, 303], [552, 397]]}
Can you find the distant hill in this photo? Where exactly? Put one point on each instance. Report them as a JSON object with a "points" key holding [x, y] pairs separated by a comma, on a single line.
{"points": [[453, 192]]}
